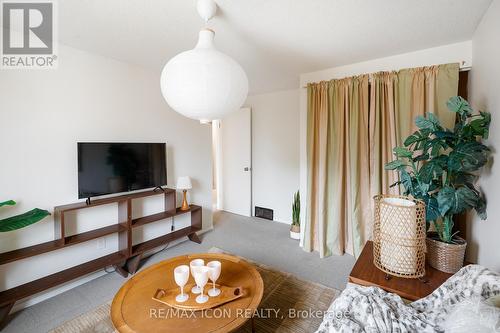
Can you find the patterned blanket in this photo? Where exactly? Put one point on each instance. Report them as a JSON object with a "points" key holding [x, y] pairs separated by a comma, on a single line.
{"points": [[371, 309]]}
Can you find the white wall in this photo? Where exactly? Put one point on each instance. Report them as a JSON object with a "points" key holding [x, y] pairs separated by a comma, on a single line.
{"points": [[459, 52], [45, 113], [275, 151], [484, 236]]}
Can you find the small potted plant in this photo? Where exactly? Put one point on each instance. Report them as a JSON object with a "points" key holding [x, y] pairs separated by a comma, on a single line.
{"points": [[440, 166], [295, 227]]}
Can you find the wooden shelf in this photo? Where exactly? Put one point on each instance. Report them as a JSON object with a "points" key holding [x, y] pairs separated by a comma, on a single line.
{"points": [[126, 260], [11, 295], [160, 216], [110, 200], [93, 234], [35, 250], [30, 251], [155, 242]]}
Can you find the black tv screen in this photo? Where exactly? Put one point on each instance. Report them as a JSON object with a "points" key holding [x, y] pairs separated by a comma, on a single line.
{"points": [[105, 168]]}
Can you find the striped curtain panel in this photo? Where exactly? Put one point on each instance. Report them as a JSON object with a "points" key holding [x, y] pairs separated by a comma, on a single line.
{"points": [[352, 127]]}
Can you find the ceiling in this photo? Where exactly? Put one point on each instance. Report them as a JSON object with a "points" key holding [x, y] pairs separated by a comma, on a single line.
{"points": [[274, 40]]}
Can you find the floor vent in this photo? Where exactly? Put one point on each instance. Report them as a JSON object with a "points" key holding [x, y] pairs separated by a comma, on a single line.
{"points": [[264, 213]]}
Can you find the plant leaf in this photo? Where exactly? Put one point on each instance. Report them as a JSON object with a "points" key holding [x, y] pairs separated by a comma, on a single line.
{"points": [[396, 164], [423, 123], [465, 178], [402, 152], [432, 169], [455, 201], [468, 156], [406, 181], [459, 105], [7, 203], [431, 208], [417, 136], [423, 157], [22, 220], [481, 208]]}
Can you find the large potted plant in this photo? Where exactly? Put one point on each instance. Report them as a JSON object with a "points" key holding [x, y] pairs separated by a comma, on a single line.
{"points": [[295, 227], [440, 166]]}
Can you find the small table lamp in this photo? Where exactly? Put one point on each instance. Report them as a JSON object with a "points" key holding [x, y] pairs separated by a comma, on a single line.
{"points": [[184, 184]]}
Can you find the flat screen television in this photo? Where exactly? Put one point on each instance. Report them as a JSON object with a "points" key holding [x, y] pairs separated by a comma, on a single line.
{"points": [[106, 168]]}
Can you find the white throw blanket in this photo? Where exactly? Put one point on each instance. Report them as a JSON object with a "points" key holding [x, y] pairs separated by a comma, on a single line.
{"points": [[371, 309]]}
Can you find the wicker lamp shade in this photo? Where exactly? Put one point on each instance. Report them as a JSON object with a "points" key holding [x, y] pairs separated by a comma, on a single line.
{"points": [[399, 236]]}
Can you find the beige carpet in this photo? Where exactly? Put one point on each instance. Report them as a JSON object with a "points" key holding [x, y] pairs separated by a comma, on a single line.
{"points": [[282, 291]]}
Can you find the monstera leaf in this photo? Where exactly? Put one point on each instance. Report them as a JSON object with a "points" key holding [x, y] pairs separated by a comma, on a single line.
{"points": [[456, 201], [417, 136], [430, 122], [459, 105], [22, 220], [468, 156], [432, 169]]}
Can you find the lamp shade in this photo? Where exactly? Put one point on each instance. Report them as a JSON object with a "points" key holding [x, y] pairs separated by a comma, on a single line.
{"points": [[399, 236], [184, 183], [203, 83]]}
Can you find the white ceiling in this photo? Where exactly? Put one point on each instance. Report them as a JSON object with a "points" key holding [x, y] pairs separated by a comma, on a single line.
{"points": [[274, 40]]}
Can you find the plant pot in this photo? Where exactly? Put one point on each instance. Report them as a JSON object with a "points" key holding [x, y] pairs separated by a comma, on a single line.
{"points": [[448, 258], [295, 232]]}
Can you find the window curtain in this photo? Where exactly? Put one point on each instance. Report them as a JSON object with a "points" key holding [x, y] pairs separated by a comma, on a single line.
{"points": [[338, 168], [352, 127], [396, 99]]}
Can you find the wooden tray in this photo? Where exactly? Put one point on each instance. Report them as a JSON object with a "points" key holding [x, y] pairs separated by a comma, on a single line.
{"points": [[227, 294]]}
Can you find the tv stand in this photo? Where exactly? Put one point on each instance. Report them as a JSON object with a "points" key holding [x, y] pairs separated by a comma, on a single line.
{"points": [[159, 188], [125, 260]]}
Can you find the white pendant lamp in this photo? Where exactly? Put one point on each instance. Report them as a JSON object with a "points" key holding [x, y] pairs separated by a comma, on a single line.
{"points": [[203, 83]]}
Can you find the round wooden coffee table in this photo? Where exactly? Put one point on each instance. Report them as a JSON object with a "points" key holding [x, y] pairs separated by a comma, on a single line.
{"points": [[134, 310]]}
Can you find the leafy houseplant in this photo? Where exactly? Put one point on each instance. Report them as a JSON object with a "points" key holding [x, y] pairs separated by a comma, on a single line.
{"points": [[440, 166], [22, 220], [295, 227]]}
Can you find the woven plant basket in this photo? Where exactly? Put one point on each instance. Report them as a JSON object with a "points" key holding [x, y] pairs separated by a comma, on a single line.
{"points": [[448, 258], [399, 236]]}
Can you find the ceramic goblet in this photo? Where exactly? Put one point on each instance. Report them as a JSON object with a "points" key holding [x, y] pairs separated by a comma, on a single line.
{"points": [[214, 273], [181, 276], [200, 274], [192, 264]]}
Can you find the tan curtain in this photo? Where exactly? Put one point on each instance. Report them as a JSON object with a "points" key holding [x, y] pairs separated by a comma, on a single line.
{"points": [[396, 99], [337, 166], [349, 141]]}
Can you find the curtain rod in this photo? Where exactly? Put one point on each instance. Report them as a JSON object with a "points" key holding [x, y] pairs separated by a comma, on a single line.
{"points": [[462, 69]]}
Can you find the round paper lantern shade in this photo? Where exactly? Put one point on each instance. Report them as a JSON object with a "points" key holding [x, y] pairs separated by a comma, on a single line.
{"points": [[203, 83]]}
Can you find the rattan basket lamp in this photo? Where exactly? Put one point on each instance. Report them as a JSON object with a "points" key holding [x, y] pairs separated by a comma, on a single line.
{"points": [[399, 236]]}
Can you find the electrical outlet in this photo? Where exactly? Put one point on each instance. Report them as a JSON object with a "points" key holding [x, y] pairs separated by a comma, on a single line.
{"points": [[101, 243]]}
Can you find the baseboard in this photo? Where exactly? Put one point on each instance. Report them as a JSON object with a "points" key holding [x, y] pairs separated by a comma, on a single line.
{"points": [[40, 297]]}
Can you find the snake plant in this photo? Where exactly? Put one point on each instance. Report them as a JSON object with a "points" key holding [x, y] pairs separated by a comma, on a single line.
{"points": [[296, 209], [441, 166]]}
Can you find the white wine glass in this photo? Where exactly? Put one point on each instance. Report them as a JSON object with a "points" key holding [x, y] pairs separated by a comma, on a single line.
{"points": [[200, 274], [214, 273], [181, 276], [192, 264]]}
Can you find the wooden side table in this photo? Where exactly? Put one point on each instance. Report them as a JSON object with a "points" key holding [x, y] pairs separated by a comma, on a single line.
{"points": [[365, 273], [134, 311]]}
